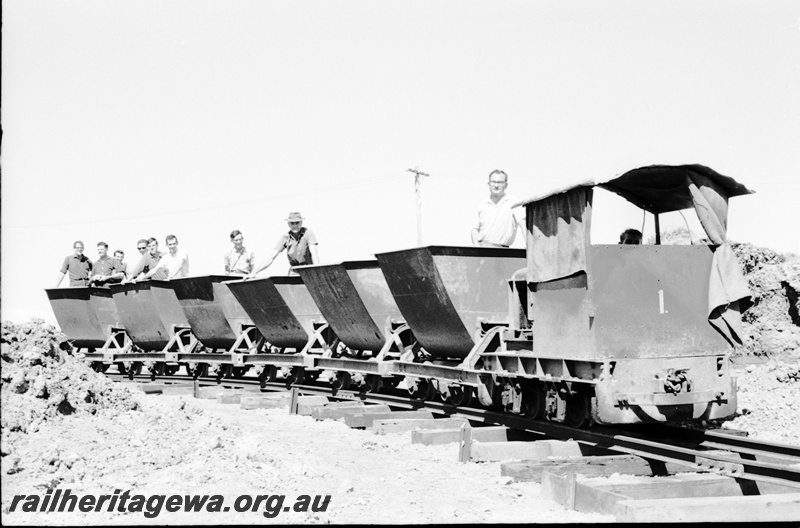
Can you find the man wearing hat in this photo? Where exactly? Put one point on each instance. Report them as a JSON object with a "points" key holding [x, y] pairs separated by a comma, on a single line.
{"points": [[300, 244]]}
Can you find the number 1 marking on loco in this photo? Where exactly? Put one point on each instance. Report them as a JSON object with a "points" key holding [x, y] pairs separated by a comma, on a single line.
{"points": [[661, 309]]}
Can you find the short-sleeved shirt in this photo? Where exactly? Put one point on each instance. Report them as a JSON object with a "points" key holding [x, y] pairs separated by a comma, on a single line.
{"points": [[172, 266], [123, 267], [145, 264], [79, 268], [106, 266], [297, 246], [239, 262], [497, 222]]}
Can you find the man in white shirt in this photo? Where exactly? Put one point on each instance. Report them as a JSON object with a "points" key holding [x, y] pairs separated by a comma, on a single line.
{"points": [[497, 222], [173, 265]]}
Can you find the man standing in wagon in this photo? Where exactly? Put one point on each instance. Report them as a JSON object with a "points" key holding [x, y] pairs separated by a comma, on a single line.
{"points": [[300, 244], [497, 222]]}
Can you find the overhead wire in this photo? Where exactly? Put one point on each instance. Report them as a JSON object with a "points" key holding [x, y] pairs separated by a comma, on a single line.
{"points": [[364, 183]]}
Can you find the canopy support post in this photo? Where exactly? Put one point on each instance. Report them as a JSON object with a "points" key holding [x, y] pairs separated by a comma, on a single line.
{"points": [[658, 229]]}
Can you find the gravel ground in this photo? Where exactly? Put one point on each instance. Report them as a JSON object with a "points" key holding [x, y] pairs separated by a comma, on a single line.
{"points": [[177, 444], [769, 402]]}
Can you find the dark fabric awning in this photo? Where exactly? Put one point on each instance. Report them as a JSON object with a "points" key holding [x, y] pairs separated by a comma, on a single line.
{"points": [[662, 188]]}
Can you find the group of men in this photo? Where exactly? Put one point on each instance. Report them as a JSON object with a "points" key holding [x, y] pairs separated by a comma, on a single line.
{"points": [[299, 242], [106, 270], [497, 226]]}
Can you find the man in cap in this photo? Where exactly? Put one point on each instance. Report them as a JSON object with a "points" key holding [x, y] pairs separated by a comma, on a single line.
{"points": [[497, 222], [78, 265], [300, 244]]}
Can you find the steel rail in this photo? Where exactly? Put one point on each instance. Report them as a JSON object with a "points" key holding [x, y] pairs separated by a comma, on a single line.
{"points": [[715, 439], [691, 452]]}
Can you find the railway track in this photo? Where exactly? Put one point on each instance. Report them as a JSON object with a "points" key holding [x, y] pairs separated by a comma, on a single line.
{"points": [[748, 460]]}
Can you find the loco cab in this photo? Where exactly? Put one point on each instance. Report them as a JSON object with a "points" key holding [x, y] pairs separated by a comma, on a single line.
{"points": [[628, 333]]}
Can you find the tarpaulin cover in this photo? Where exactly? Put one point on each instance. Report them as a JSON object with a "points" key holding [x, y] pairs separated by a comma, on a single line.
{"points": [[566, 213], [728, 295], [662, 188], [655, 188], [558, 234]]}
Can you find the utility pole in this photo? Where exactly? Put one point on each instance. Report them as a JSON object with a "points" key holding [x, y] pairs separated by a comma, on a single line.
{"points": [[417, 173]]}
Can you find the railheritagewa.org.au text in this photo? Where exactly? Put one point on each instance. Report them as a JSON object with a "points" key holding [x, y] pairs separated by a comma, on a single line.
{"points": [[152, 506]]}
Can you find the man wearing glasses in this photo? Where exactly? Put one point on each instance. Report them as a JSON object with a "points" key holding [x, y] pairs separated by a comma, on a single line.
{"points": [[239, 261], [300, 244], [78, 265], [497, 223], [148, 261], [141, 247]]}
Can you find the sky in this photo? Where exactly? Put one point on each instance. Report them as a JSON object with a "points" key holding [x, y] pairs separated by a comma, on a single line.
{"points": [[130, 119]]}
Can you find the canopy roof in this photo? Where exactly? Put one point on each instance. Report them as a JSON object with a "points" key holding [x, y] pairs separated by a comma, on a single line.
{"points": [[655, 188]]}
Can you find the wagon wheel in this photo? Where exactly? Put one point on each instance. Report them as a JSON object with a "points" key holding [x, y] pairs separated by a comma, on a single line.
{"points": [[312, 375], [121, 368], [267, 375], [99, 366], [199, 370], [295, 376], [135, 369], [224, 371], [423, 390], [239, 372], [431, 392], [533, 401], [372, 383], [579, 411], [497, 394], [158, 369], [341, 380], [171, 370], [460, 395], [391, 383]]}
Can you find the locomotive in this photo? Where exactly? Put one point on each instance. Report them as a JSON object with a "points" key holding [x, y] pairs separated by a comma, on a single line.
{"points": [[564, 330]]}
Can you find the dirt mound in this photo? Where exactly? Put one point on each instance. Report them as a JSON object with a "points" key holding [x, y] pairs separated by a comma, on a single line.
{"points": [[42, 380], [680, 237], [769, 401], [771, 324]]}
